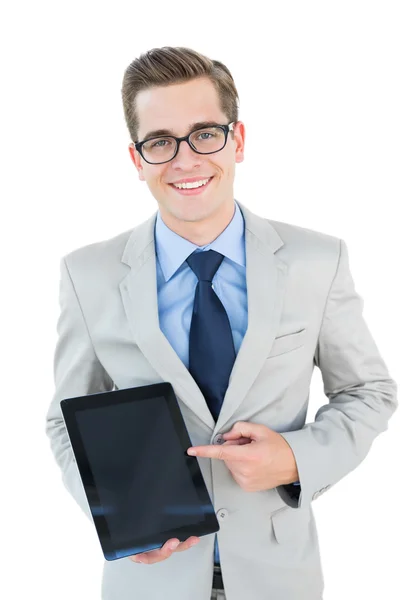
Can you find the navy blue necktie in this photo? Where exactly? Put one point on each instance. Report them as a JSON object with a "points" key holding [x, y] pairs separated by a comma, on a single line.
{"points": [[211, 348]]}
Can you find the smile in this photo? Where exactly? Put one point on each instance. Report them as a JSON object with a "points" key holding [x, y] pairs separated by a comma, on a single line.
{"points": [[194, 187]]}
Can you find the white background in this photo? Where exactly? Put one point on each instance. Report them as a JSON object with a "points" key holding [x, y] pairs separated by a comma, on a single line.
{"points": [[319, 90]]}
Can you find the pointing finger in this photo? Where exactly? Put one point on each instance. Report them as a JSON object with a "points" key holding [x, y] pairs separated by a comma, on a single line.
{"points": [[220, 452]]}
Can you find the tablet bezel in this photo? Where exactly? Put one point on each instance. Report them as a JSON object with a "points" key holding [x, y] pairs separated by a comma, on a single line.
{"points": [[69, 408]]}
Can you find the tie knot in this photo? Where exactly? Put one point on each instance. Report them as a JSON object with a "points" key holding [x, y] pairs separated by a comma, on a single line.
{"points": [[205, 264]]}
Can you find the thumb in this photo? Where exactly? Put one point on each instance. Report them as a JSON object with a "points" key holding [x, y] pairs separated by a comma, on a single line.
{"points": [[253, 431]]}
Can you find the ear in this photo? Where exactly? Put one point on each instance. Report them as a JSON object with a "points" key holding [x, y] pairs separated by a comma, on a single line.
{"points": [[137, 160], [239, 138]]}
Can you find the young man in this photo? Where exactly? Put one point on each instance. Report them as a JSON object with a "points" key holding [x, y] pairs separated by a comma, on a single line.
{"points": [[235, 310]]}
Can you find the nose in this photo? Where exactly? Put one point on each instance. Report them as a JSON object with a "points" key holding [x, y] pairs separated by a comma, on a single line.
{"points": [[186, 158]]}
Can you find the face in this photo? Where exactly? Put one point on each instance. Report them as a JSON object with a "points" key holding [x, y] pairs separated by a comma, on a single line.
{"points": [[175, 108]]}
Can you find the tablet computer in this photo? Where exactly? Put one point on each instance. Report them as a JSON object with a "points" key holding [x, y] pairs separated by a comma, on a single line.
{"points": [[142, 488]]}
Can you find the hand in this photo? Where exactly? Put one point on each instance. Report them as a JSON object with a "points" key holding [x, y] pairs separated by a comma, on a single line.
{"points": [[264, 463], [155, 556]]}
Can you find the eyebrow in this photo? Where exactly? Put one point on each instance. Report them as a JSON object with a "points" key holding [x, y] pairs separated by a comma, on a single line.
{"points": [[191, 128]]}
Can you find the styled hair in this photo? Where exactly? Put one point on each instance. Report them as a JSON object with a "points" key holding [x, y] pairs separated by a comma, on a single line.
{"points": [[172, 65]]}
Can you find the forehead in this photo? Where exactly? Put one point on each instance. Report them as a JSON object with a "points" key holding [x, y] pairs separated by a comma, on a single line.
{"points": [[174, 107]]}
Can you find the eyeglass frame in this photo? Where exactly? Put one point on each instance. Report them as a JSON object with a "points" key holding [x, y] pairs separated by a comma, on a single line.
{"points": [[185, 138]]}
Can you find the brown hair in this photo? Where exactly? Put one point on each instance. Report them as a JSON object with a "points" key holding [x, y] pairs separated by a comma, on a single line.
{"points": [[169, 65]]}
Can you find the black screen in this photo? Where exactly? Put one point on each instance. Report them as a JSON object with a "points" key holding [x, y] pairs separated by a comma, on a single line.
{"points": [[139, 470]]}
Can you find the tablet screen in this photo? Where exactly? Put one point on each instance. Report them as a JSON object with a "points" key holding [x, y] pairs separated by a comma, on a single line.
{"points": [[142, 487], [139, 468]]}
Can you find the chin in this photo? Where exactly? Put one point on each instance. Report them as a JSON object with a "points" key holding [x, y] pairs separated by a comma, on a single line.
{"points": [[188, 212]]}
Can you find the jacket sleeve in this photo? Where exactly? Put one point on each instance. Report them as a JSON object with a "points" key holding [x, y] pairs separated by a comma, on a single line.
{"points": [[77, 372], [362, 396]]}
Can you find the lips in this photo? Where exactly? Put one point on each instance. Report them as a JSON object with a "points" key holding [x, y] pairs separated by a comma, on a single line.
{"points": [[192, 191]]}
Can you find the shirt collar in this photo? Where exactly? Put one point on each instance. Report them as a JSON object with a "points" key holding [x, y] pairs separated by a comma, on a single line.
{"points": [[172, 249]]}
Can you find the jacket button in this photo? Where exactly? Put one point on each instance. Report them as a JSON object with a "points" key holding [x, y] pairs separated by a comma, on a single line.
{"points": [[222, 514], [218, 439]]}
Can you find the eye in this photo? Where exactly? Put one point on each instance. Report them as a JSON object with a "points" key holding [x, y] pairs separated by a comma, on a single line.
{"points": [[205, 133], [159, 144]]}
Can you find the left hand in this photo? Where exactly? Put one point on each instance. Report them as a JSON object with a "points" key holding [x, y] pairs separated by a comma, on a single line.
{"points": [[258, 457]]}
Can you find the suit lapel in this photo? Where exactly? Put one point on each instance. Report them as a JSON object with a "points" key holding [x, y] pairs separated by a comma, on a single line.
{"points": [[266, 279]]}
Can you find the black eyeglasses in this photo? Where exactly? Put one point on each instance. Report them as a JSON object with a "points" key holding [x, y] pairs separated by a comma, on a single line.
{"points": [[162, 149]]}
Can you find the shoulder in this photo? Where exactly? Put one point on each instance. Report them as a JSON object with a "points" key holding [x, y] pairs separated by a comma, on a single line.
{"points": [[304, 242], [100, 250], [98, 263]]}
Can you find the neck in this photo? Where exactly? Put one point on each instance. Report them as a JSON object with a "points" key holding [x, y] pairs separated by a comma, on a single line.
{"points": [[203, 231]]}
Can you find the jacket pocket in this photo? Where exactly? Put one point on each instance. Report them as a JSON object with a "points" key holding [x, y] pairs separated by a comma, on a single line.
{"points": [[289, 524], [287, 343]]}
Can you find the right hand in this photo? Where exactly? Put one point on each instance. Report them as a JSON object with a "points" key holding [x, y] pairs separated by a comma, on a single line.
{"points": [[165, 551]]}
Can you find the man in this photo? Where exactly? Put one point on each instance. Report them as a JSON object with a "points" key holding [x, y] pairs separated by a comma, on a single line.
{"points": [[234, 310]]}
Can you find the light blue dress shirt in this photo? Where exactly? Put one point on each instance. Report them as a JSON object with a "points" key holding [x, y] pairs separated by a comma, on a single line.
{"points": [[176, 285]]}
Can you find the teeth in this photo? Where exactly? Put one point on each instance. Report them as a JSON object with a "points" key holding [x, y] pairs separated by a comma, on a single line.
{"points": [[194, 184]]}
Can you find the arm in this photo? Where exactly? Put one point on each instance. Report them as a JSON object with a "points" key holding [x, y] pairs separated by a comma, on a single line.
{"points": [[77, 372], [361, 393]]}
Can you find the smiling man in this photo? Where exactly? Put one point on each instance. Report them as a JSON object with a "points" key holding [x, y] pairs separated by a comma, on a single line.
{"points": [[235, 311]]}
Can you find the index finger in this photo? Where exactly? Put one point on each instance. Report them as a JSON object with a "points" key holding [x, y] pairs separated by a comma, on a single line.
{"points": [[222, 452]]}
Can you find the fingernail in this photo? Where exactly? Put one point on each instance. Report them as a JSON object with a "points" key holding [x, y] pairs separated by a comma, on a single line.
{"points": [[174, 545]]}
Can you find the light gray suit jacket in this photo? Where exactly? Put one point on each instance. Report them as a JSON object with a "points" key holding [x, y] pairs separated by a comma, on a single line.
{"points": [[303, 311]]}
